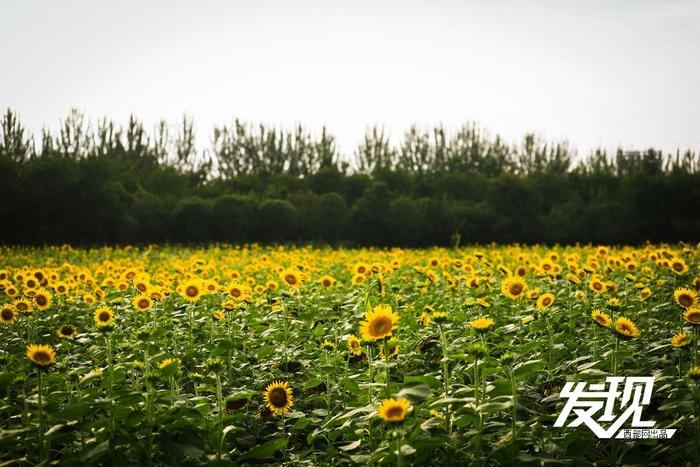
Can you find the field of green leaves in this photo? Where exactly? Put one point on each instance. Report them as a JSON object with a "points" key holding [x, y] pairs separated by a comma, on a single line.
{"points": [[316, 356]]}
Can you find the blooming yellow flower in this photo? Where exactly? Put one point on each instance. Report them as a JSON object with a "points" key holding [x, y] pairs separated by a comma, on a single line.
{"points": [[379, 323], [680, 340], [41, 355], [626, 328], [394, 410], [481, 324]]}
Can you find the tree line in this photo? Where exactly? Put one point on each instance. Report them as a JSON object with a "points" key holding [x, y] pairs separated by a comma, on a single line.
{"points": [[106, 183]]}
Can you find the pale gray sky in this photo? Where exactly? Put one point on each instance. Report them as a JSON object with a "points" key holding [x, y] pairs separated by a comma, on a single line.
{"points": [[602, 72]]}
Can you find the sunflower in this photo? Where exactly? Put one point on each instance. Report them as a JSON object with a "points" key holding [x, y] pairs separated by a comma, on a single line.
{"points": [[142, 284], [379, 323], [61, 288], [354, 345], [278, 397], [142, 302], [22, 305], [327, 281], [694, 372], [680, 340], [613, 303], [167, 362], [424, 319], [504, 270], [597, 285], [238, 291], [66, 332], [358, 279], [678, 266], [192, 290], [513, 287], [573, 278], [41, 355], [481, 324], [291, 278], [545, 301], [104, 318], [157, 294], [31, 283], [624, 327], [7, 314], [645, 293], [438, 316], [11, 291], [217, 315], [692, 315], [394, 410], [685, 297], [482, 302], [601, 319]]}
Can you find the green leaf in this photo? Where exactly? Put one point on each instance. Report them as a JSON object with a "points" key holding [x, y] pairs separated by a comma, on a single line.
{"points": [[525, 369], [431, 381], [415, 393], [495, 406], [350, 446], [266, 450], [97, 452]]}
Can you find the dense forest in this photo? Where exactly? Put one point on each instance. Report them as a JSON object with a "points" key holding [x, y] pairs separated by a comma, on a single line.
{"points": [[106, 183]]}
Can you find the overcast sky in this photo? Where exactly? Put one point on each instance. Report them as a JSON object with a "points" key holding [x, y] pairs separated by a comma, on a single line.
{"points": [[598, 73]]}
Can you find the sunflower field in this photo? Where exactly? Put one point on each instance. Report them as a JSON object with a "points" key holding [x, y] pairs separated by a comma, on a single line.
{"points": [[238, 355]]}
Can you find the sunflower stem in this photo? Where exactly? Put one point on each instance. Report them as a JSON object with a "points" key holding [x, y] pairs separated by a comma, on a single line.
{"points": [[108, 339], [190, 313], [286, 337], [399, 457], [445, 378], [445, 367], [369, 389], [614, 355], [549, 341], [371, 372], [476, 410], [595, 342], [697, 343], [328, 385], [386, 367], [697, 417], [219, 398], [149, 407], [284, 434], [514, 410], [41, 415]]}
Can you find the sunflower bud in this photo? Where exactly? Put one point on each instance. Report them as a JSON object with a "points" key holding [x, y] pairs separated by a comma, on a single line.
{"points": [[215, 365], [507, 359], [478, 350]]}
